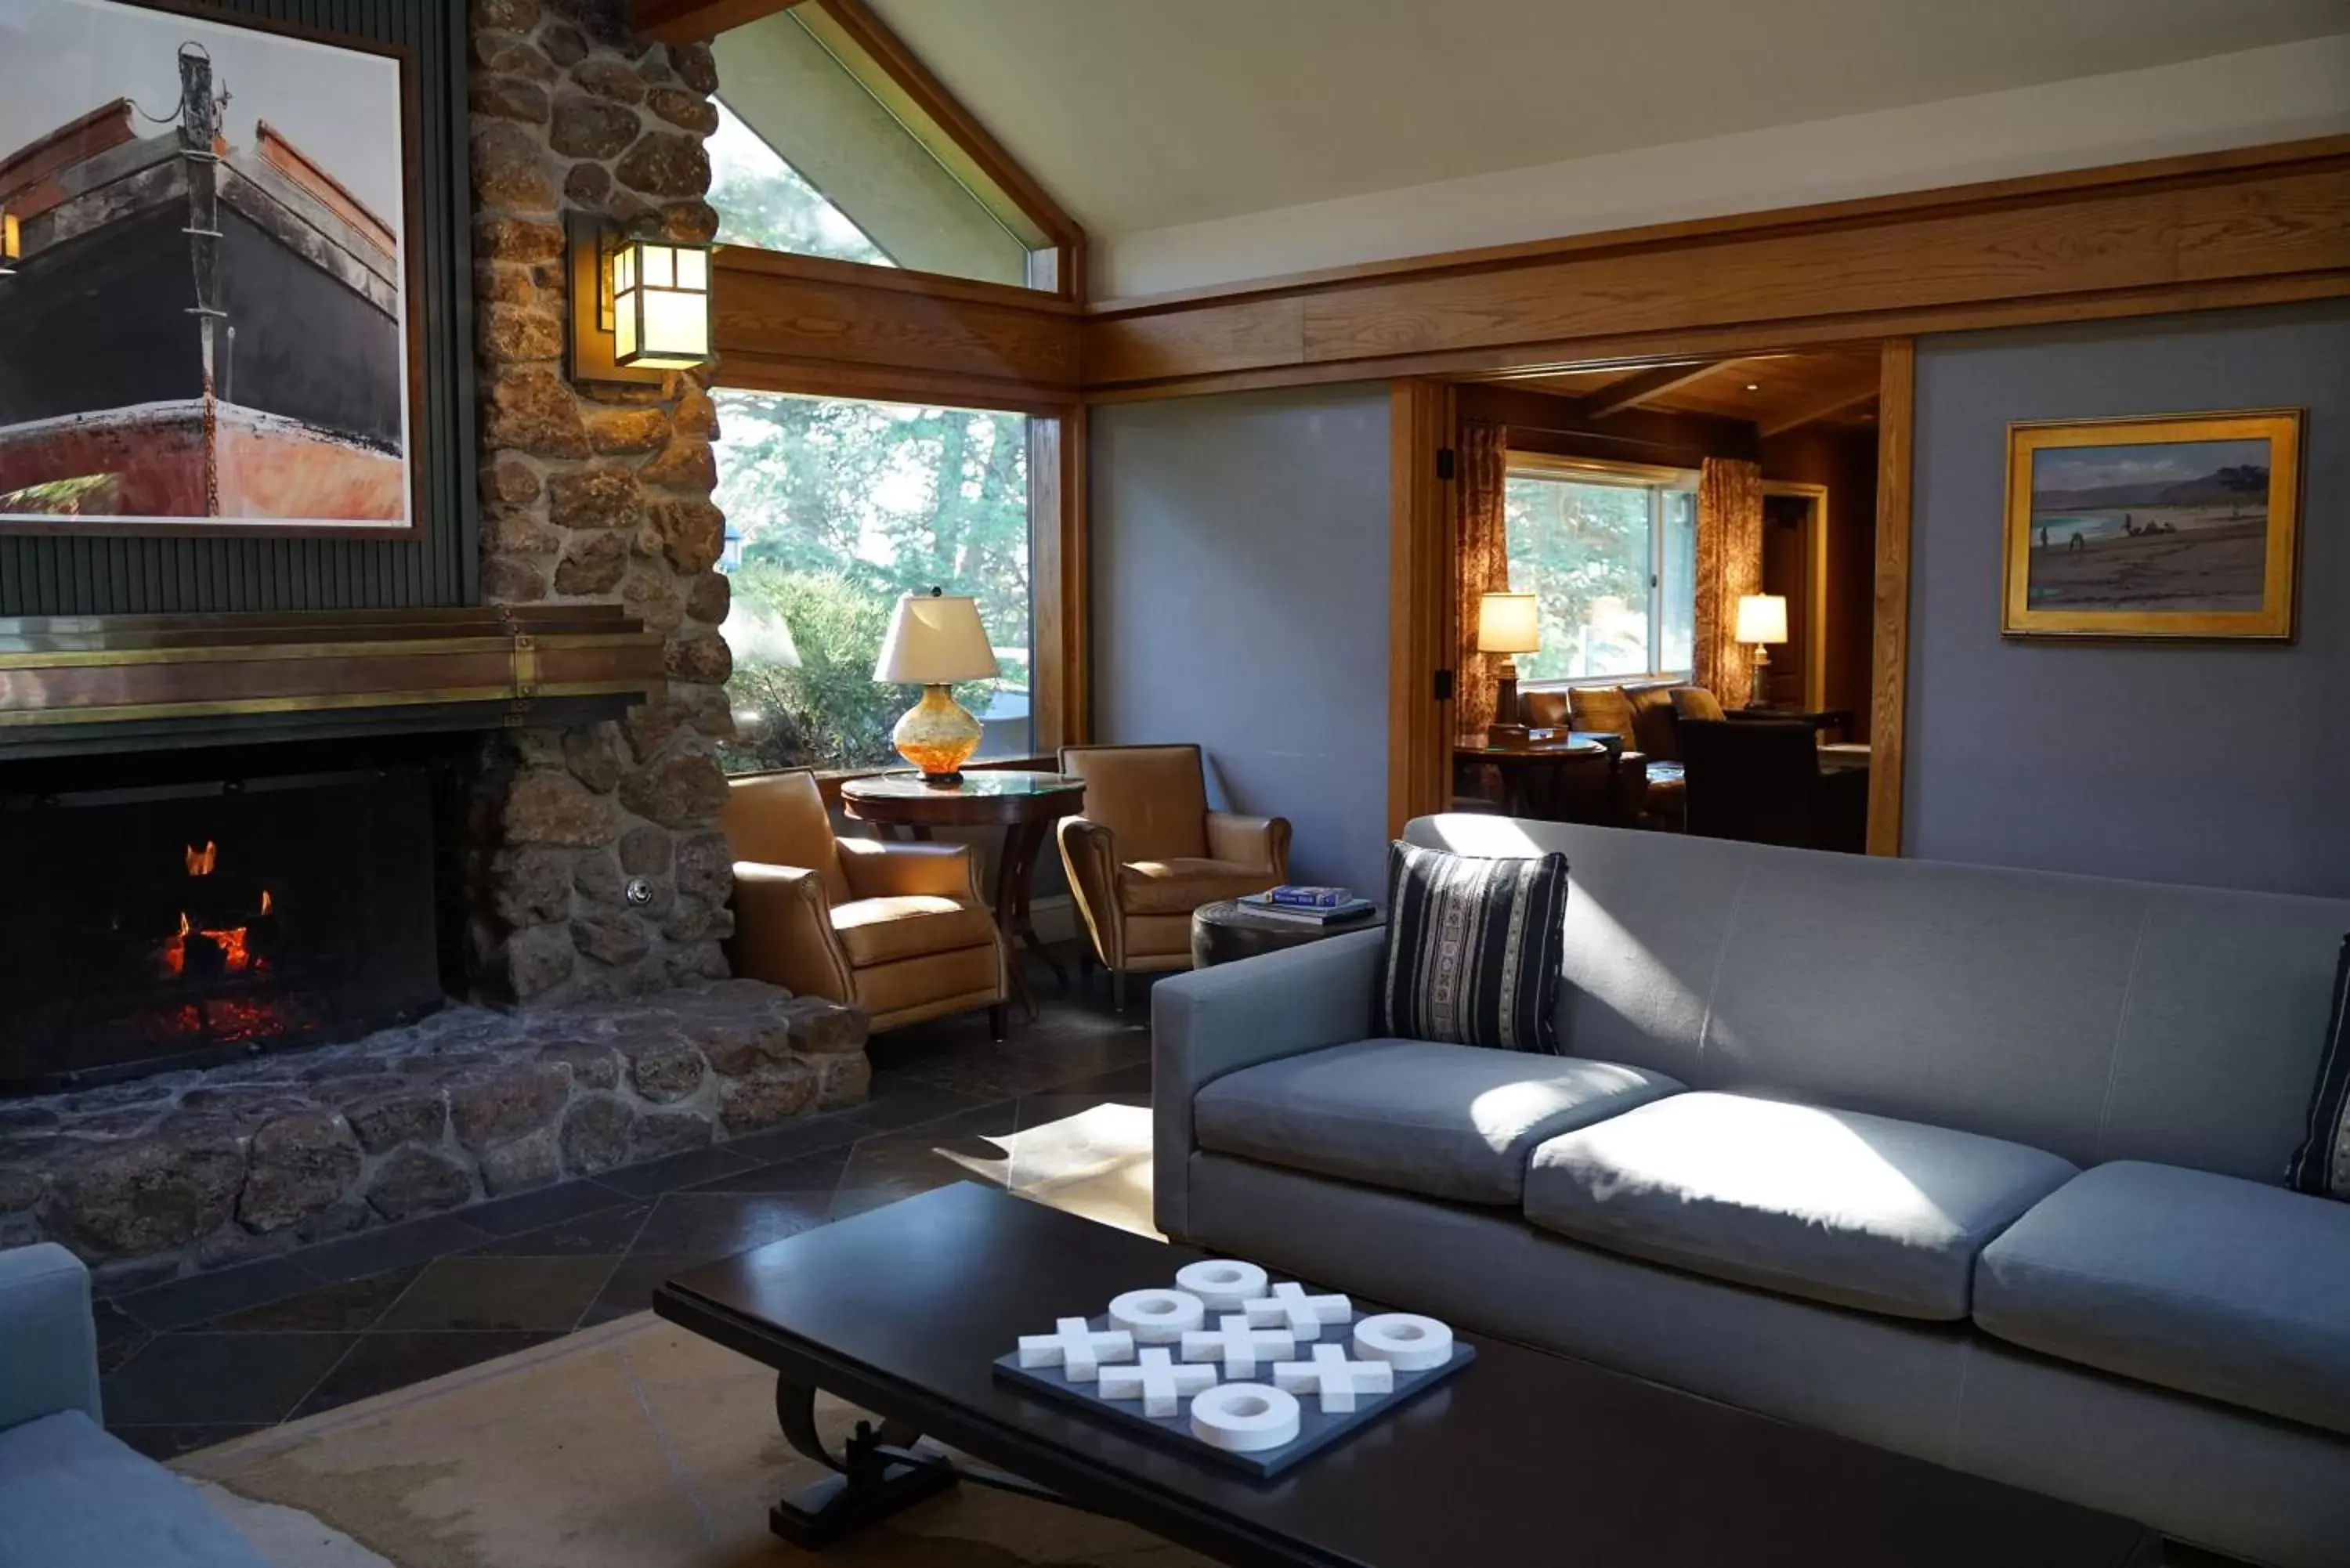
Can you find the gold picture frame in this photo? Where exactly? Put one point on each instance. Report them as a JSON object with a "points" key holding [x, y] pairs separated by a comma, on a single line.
{"points": [[2182, 525]]}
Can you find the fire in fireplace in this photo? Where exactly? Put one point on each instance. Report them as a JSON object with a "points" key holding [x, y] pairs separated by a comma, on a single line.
{"points": [[182, 924]]}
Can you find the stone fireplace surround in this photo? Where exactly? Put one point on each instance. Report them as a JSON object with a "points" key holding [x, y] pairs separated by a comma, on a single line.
{"points": [[616, 1036]]}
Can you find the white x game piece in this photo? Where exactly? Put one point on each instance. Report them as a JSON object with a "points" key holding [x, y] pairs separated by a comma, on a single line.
{"points": [[1225, 1284], [1077, 1350], [1329, 1375], [1233, 1342], [1290, 1307], [1157, 1381]]}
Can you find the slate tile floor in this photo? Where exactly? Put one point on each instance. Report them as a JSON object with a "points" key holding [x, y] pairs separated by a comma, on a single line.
{"points": [[199, 1361]]}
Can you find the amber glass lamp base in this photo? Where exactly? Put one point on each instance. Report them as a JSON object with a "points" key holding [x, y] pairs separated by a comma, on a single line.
{"points": [[938, 735]]}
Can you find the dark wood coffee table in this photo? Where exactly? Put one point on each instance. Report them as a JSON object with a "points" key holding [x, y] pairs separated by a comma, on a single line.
{"points": [[1228, 930], [1524, 1458]]}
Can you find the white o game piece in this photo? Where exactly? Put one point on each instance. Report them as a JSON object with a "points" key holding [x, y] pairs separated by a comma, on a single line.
{"points": [[1330, 1375], [1288, 1307], [1223, 1284], [1233, 1342], [1405, 1341], [1244, 1418], [1157, 1317], [1157, 1380], [1078, 1349]]}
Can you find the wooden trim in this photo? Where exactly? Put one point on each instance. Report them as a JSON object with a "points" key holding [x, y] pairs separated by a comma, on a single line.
{"points": [[1060, 576], [1648, 386], [799, 324], [1896, 442], [1422, 420], [692, 21], [2250, 226], [931, 99]]}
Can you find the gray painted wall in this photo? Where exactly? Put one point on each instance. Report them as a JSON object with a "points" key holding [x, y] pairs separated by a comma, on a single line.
{"points": [[1240, 581], [2201, 763]]}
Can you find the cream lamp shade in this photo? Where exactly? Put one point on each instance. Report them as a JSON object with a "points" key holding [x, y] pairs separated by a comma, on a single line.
{"points": [[1507, 623], [935, 639], [1761, 618]]}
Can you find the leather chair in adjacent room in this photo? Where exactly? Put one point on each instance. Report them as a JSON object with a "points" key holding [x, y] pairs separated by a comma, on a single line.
{"points": [[899, 930], [1148, 852], [1759, 781]]}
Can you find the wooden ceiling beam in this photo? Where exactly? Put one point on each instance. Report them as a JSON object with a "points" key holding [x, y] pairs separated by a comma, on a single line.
{"points": [[692, 21], [1847, 397], [1648, 386]]}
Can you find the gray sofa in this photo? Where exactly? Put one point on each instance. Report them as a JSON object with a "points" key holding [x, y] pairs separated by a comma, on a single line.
{"points": [[1976, 1165], [71, 1495]]}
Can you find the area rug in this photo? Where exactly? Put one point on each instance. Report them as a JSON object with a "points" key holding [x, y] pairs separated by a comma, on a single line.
{"points": [[637, 1445]]}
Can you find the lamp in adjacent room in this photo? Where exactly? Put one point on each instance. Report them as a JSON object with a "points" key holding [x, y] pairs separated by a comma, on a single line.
{"points": [[936, 639], [1762, 621], [1507, 624]]}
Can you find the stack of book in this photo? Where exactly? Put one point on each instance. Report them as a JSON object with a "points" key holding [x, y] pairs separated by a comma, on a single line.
{"points": [[1311, 906]]}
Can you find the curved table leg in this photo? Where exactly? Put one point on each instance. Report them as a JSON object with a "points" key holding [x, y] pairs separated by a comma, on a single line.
{"points": [[1016, 875], [874, 1482]]}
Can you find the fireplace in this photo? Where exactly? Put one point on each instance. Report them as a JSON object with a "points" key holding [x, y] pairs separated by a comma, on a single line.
{"points": [[189, 919]]}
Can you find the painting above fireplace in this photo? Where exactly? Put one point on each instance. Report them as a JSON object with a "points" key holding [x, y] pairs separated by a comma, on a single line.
{"points": [[184, 925]]}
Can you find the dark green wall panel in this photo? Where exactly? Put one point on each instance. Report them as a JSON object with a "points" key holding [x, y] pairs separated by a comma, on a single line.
{"points": [[48, 576]]}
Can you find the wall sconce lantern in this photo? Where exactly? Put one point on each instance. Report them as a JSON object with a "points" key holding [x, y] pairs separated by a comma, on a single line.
{"points": [[640, 307], [12, 243]]}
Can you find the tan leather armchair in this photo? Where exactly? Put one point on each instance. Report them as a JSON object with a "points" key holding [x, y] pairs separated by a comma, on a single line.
{"points": [[899, 930], [1148, 852]]}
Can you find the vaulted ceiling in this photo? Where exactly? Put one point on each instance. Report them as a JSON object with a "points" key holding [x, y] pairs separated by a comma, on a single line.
{"points": [[1141, 114]]}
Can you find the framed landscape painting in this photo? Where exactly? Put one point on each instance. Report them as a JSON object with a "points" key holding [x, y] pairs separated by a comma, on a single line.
{"points": [[2168, 528], [206, 324]]}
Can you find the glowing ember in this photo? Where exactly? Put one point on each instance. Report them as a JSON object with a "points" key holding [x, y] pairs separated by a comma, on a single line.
{"points": [[201, 861]]}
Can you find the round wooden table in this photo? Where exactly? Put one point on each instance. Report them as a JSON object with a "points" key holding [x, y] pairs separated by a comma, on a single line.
{"points": [[1535, 777], [1229, 930], [1025, 805]]}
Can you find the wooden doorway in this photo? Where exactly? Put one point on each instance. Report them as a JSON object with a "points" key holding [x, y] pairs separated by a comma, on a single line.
{"points": [[1795, 568]]}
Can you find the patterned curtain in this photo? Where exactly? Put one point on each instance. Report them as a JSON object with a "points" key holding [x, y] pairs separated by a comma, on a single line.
{"points": [[1729, 567], [1484, 554]]}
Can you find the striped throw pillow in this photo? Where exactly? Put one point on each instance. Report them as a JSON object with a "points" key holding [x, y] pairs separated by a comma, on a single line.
{"points": [[1474, 949], [2322, 1165]]}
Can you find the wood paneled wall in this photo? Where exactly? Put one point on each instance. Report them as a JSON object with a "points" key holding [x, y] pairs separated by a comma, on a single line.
{"points": [[47, 574]]}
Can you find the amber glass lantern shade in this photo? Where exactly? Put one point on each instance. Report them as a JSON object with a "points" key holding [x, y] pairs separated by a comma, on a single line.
{"points": [[661, 304], [934, 640]]}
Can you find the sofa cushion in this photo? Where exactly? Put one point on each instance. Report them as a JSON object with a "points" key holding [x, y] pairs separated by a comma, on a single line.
{"points": [[2209, 1284], [2322, 1164], [880, 930], [1656, 728], [1601, 709], [1446, 1121], [1473, 947], [1179, 885], [1859, 1210], [70, 1494]]}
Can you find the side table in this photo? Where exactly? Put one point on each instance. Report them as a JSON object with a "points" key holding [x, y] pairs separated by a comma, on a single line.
{"points": [[1229, 930], [1025, 805]]}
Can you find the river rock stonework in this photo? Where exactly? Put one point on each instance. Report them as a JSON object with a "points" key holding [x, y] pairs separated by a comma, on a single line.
{"points": [[156, 1176], [595, 848]]}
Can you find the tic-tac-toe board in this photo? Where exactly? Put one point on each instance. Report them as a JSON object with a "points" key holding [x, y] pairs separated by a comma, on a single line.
{"points": [[1340, 1357]]}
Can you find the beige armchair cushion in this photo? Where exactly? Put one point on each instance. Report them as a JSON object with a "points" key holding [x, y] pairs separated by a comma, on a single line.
{"points": [[779, 819], [882, 930], [1179, 887], [1153, 799]]}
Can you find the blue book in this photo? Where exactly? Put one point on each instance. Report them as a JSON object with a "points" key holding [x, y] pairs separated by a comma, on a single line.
{"points": [[1309, 898]]}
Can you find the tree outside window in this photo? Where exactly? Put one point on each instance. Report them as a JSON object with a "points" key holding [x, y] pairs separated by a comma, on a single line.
{"points": [[1613, 567]]}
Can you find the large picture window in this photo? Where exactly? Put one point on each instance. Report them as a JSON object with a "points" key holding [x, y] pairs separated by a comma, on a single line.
{"points": [[833, 508], [1611, 556]]}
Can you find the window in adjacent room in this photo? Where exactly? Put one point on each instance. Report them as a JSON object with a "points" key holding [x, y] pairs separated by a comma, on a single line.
{"points": [[833, 508], [821, 152], [1611, 555]]}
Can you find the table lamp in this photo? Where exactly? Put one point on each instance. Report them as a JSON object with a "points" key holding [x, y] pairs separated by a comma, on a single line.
{"points": [[1507, 624], [935, 639], [1762, 621]]}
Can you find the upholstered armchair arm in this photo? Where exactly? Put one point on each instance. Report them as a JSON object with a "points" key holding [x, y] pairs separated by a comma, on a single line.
{"points": [[51, 1362], [1249, 841], [879, 870], [783, 931], [1089, 855], [1211, 1021]]}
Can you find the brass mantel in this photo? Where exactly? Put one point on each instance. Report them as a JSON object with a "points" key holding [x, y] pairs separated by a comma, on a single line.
{"points": [[90, 683]]}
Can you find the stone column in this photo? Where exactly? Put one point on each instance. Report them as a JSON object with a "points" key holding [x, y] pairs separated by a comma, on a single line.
{"points": [[599, 869]]}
